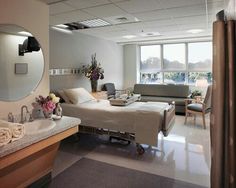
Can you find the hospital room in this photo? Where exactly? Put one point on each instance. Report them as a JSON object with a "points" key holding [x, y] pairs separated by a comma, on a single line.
{"points": [[117, 93]]}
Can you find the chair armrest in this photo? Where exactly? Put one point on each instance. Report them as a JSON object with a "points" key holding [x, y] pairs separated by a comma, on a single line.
{"points": [[189, 100]]}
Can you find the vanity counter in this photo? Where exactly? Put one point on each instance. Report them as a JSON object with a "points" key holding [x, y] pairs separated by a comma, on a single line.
{"points": [[61, 125], [30, 159]]}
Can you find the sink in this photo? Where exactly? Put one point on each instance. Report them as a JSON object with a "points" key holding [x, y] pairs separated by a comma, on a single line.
{"points": [[39, 126]]}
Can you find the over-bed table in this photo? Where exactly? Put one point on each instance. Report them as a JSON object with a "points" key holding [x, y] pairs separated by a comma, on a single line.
{"points": [[139, 122]]}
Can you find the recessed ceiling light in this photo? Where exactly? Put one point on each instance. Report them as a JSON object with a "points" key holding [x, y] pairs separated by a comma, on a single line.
{"points": [[194, 31], [129, 36], [95, 23], [25, 33], [150, 34]]}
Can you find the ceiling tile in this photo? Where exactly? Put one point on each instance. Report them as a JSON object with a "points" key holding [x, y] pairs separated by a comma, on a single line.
{"points": [[190, 20], [193, 26], [105, 11], [68, 17], [121, 19], [80, 4], [171, 18], [50, 1], [162, 29], [140, 26], [106, 29], [180, 3], [135, 6], [54, 20], [152, 15], [160, 23], [214, 8], [59, 8], [187, 11], [116, 1]]}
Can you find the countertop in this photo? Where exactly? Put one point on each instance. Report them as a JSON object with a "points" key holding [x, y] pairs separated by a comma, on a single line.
{"points": [[61, 125]]}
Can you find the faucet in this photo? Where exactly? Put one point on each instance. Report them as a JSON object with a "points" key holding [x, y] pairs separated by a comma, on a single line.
{"points": [[11, 117], [22, 120]]}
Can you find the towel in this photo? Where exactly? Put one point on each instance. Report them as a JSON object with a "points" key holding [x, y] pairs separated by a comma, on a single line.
{"points": [[17, 129], [5, 136]]}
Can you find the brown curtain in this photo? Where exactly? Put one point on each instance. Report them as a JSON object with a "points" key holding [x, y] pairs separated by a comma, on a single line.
{"points": [[223, 117]]}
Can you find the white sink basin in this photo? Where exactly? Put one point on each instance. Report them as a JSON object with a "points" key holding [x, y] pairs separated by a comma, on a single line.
{"points": [[39, 126]]}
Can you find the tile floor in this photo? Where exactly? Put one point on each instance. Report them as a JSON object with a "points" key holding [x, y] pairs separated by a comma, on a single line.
{"points": [[183, 155]]}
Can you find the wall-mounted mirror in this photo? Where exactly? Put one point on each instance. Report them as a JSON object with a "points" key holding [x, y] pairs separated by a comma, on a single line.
{"points": [[19, 74]]}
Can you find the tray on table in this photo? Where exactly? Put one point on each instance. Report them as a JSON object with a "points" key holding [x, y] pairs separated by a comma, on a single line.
{"points": [[125, 100]]}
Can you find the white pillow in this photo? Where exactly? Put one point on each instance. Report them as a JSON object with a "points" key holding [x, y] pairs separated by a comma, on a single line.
{"points": [[78, 95], [64, 96]]}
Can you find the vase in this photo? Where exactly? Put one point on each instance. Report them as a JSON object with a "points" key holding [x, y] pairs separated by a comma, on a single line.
{"points": [[47, 114], [94, 85]]}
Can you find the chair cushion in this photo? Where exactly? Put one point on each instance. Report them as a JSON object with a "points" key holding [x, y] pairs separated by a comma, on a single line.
{"points": [[195, 107]]}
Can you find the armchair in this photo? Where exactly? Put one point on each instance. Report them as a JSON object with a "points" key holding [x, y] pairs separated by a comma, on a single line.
{"points": [[197, 107], [112, 92]]}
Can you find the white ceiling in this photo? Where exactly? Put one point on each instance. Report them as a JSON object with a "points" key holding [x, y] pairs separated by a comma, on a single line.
{"points": [[170, 18]]}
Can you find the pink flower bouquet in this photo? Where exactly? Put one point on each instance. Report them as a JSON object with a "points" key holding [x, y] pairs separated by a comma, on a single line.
{"points": [[48, 104]]}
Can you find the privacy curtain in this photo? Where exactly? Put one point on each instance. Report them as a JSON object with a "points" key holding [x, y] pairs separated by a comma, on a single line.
{"points": [[223, 117]]}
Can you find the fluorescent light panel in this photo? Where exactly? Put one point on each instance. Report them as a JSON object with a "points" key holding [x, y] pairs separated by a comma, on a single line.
{"points": [[95, 23]]}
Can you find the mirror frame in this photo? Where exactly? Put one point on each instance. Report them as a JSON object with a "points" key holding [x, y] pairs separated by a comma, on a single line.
{"points": [[34, 88]]}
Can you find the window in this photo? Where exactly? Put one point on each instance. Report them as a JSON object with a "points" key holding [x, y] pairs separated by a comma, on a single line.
{"points": [[193, 76], [174, 77], [199, 61], [169, 63], [150, 64], [200, 56], [174, 56]]}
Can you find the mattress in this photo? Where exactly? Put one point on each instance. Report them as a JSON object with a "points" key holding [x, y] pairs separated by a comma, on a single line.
{"points": [[144, 119]]}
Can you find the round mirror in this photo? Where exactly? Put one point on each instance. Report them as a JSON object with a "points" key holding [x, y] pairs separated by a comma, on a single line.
{"points": [[21, 63]]}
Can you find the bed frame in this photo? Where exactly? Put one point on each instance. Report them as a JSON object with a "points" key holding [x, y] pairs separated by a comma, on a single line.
{"points": [[168, 122]]}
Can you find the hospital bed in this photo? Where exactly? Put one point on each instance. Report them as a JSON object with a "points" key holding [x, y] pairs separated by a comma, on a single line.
{"points": [[139, 122]]}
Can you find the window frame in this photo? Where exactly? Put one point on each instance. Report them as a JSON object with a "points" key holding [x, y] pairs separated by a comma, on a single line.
{"points": [[162, 71]]}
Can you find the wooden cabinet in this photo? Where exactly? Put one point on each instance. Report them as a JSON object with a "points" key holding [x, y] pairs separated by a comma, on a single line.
{"points": [[100, 94], [27, 165]]}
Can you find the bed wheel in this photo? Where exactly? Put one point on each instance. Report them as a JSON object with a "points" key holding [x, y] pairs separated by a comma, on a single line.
{"points": [[140, 149]]}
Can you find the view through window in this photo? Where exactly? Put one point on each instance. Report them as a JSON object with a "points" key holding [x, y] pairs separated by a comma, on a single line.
{"points": [[181, 63]]}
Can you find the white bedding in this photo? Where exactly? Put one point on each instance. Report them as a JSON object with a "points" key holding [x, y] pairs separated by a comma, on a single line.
{"points": [[144, 119]]}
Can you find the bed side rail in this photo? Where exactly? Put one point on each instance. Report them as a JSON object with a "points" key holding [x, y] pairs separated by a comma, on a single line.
{"points": [[169, 119]]}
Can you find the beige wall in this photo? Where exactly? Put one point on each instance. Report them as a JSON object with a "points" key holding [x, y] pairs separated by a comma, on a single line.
{"points": [[131, 65], [74, 50], [33, 15]]}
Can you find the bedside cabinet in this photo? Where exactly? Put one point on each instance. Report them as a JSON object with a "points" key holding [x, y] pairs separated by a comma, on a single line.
{"points": [[99, 94]]}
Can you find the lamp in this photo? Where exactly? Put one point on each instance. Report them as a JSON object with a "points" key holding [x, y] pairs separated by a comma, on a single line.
{"points": [[201, 83]]}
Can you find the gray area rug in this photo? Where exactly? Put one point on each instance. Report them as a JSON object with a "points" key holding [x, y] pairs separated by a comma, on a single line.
{"points": [[87, 173]]}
